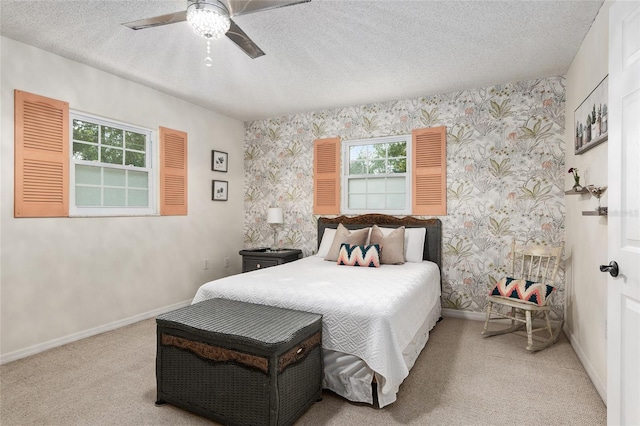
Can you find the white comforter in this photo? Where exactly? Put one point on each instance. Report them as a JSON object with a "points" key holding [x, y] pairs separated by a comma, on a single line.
{"points": [[372, 313]]}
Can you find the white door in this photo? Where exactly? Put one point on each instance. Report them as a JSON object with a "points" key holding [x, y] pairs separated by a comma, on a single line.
{"points": [[623, 308]]}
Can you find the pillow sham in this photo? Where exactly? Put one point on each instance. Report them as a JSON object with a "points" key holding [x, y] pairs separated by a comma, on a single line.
{"points": [[413, 242], [357, 237], [325, 244], [359, 255], [523, 290], [391, 245]]}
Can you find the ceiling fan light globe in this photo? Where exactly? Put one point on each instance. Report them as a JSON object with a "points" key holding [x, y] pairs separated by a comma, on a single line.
{"points": [[208, 19]]}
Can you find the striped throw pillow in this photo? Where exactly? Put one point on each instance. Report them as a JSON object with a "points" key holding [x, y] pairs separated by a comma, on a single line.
{"points": [[356, 255]]}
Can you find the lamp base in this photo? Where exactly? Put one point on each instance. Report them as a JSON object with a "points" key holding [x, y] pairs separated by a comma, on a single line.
{"points": [[274, 246]]}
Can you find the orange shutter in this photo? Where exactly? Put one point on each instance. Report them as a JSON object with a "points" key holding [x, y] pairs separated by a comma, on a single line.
{"points": [[41, 170], [173, 172], [326, 178], [429, 180]]}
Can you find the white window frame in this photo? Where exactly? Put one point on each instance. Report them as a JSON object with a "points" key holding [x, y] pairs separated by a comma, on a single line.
{"points": [[344, 187], [151, 168]]}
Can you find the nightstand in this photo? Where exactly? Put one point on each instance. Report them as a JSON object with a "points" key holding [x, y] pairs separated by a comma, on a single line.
{"points": [[253, 259]]}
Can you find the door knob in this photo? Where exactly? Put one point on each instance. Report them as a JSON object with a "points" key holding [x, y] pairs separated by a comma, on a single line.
{"points": [[612, 268]]}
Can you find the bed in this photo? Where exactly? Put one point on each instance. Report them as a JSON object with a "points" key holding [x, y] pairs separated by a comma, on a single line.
{"points": [[376, 321]]}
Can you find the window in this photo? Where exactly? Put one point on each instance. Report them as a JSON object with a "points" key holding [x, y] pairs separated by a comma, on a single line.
{"points": [[112, 169], [425, 174], [376, 175]]}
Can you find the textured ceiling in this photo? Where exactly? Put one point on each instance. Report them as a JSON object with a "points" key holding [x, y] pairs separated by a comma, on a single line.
{"points": [[319, 55]]}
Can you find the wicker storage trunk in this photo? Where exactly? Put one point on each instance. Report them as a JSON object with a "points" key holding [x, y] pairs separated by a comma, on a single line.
{"points": [[240, 363]]}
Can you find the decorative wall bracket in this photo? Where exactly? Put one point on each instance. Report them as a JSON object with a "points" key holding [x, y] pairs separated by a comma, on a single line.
{"points": [[595, 191]]}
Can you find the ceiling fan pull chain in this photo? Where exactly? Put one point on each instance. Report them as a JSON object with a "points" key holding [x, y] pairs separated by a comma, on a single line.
{"points": [[208, 61]]}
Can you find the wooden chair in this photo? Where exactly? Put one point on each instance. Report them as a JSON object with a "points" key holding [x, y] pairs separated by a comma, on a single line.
{"points": [[530, 265]]}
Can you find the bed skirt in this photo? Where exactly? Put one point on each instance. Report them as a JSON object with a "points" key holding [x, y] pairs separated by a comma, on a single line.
{"points": [[350, 377]]}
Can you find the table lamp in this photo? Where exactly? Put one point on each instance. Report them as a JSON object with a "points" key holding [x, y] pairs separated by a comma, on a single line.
{"points": [[275, 217]]}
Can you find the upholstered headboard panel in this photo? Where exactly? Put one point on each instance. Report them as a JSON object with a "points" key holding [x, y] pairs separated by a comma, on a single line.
{"points": [[432, 242]]}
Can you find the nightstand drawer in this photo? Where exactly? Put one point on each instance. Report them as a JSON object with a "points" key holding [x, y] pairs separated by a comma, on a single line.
{"points": [[253, 259], [253, 263]]}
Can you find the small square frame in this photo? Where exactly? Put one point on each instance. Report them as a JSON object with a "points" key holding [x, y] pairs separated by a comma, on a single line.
{"points": [[219, 190], [219, 161]]}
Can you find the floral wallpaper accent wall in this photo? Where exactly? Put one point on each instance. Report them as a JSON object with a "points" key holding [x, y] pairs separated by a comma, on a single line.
{"points": [[505, 175]]}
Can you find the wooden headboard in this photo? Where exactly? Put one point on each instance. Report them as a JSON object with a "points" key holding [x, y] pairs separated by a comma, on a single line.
{"points": [[432, 242]]}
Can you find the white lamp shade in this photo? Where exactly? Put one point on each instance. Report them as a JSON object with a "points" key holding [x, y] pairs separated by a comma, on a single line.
{"points": [[274, 215]]}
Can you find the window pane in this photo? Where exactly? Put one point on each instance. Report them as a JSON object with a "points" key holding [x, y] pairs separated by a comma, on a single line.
{"points": [[135, 141], [377, 167], [357, 152], [114, 197], [398, 165], [357, 201], [397, 149], [111, 155], [395, 201], [88, 175], [396, 184], [357, 168], [376, 185], [115, 177], [377, 151], [357, 186], [138, 198], [83, 131], [138, 180], [87, 196], [375, 201], [83, 151], [134, 159], [111, 136]]}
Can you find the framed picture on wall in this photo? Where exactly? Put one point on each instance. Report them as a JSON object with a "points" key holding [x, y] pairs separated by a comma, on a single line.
{"points": [[591, 119], [219, 161], [220, 191]]}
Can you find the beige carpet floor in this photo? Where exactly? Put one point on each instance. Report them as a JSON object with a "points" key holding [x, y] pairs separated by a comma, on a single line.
{"points": [[459, 379]]}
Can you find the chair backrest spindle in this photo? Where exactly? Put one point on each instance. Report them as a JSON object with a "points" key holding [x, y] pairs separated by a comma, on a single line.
{"points": [[537, 263], [540, 259]]}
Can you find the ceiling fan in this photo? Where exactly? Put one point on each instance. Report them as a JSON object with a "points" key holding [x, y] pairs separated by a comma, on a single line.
{"points": [[211, 19]]}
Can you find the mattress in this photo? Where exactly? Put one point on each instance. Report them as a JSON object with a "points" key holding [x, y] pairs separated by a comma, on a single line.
{"points": [[374, 314]]}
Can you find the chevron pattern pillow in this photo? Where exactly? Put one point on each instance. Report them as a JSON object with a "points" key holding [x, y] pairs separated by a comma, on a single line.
{"points": [[523, 290], [355, 255]]}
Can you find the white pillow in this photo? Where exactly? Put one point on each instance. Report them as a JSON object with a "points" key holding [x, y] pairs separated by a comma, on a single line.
{"points": [[413, 242], [327, 240]]}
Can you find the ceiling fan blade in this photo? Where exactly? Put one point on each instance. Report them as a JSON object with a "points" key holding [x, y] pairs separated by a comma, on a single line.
{"points": [[156, 21], [245, 7], [243, 41]]}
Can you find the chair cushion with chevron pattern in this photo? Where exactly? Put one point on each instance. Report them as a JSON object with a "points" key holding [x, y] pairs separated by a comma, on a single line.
{"points": [[357, 255], [526, 291]]}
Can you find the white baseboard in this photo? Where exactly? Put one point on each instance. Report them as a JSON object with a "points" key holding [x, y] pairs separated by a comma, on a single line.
{"points": [[41, 347], [591, 372], [454, 313]]}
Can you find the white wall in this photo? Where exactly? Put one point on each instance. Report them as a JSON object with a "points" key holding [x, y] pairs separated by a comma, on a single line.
{"points": [[586, 236], [66, 277]]}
